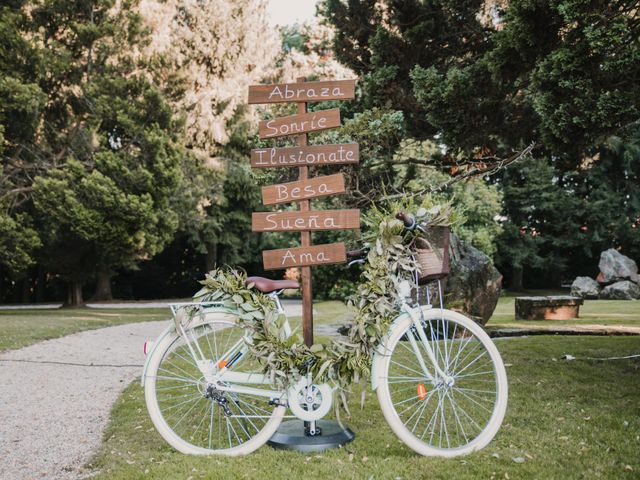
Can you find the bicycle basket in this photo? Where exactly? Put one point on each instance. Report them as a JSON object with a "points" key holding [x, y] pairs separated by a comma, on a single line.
{"points": [[432, 254]]}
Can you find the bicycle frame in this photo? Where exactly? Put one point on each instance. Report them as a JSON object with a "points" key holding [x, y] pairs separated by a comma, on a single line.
{"points": [[220, 376], [218, 372]]}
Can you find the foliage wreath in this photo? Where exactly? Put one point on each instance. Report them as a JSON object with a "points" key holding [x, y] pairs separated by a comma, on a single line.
{"points": [[347, 359]]}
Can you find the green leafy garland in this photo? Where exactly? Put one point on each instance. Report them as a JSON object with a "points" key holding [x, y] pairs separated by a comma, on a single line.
{"points": [[346, 360]]}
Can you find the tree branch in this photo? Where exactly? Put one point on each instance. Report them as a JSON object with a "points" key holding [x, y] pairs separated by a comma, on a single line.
{"points": [[481, 169]]}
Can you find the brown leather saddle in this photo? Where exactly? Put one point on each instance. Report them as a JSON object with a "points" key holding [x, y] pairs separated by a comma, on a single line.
{"points": [[266, 285]]}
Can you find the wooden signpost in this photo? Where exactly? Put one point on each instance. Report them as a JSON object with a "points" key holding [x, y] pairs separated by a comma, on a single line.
{"points": [[304, 256], [301, 123], [306, 221], [338, 154], [301, 191]]}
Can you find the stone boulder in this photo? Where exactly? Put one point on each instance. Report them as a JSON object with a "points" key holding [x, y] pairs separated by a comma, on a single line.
{"points": [[624, 290], [614, 266], [585, 287], [474, 284]]}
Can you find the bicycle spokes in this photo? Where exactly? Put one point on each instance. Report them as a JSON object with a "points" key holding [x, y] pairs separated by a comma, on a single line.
{"points": [[444, 386]]}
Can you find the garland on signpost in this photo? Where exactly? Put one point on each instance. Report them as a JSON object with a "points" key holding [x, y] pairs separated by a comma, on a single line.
{"points": [[346, 360]]}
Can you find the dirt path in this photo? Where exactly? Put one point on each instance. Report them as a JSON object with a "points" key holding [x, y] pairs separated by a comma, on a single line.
{"points": [[56, 397]]}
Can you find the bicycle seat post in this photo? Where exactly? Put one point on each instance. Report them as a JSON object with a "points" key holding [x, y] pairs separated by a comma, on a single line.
{"points": [[276, 298]]}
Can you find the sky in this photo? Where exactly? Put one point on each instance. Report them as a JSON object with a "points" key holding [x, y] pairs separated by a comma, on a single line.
{"points": [[288, 12]]}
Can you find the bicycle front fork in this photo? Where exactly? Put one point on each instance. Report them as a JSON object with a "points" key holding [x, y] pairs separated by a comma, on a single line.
{"points": [[419, 327]]}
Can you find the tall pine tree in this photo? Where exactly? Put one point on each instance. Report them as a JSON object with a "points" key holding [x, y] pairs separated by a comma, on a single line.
{"points": [[103, 163]]}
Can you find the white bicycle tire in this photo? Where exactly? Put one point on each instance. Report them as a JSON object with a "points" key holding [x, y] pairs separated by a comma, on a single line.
{"points": [[384, 396], [167, 432]]}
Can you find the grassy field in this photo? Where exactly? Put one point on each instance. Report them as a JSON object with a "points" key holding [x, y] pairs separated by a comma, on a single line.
{"points": [[19, 328], [577, 419]]}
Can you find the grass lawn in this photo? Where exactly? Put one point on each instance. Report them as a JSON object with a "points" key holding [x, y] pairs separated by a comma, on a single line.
{"points": [[577, 419], [19, 328]]}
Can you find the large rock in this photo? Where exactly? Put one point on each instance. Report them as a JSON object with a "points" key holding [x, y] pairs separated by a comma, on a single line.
{"points": [[474, 284], [624, 290], [585, 287], [614, 266]]}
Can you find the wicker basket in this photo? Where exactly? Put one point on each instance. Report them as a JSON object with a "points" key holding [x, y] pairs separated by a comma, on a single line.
{"points": [[432, 254]]}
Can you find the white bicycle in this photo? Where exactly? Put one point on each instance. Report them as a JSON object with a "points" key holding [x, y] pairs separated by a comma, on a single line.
{"points": [[440, 381]]}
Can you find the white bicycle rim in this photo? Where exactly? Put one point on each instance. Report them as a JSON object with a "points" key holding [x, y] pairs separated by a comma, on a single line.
{"points": [[404, 425], [177, 441]]}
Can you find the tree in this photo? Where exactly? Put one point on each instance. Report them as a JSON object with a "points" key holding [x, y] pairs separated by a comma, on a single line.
{"points": [[610, 187], [557, 223], [21, 101], [97, 162], [204, 55], [220, 226], [540, 213], [558, 74], [486, 79], [116, 211]]}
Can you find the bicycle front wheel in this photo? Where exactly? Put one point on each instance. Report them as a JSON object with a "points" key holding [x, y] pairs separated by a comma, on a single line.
{"points": [[193, 415], [442, 415]]}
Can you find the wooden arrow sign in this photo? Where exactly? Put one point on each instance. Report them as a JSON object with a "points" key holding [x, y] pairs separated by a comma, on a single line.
{"points": [[305, 221], [338, 154], [301, 123], [303, 189], [304, 256], [303, 92]]}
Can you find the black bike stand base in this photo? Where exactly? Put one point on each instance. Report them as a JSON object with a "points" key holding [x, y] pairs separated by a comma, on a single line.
{"points": [[291, 436]]}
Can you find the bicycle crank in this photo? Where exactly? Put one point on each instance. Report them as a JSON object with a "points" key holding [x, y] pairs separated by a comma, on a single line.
{"points": [[310, 402]]}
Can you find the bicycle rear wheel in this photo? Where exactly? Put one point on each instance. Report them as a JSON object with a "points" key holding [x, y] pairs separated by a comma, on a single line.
{"points": [[192, 415], [449, 416]]}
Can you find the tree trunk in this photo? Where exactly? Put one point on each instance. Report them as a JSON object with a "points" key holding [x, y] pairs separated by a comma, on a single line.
{"points": [[212, 256], [516, 279], [26, 288], [103, 286], [74, 295], [41, 284]]}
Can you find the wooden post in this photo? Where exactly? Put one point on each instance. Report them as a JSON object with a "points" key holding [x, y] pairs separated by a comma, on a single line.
{"points": [[305, 206]]}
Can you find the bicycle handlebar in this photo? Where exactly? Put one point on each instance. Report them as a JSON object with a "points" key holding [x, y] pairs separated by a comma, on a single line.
{"points": [[361, 252], [408, 220]]}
